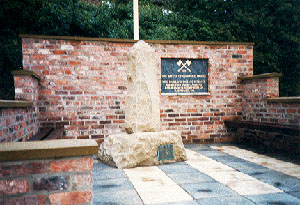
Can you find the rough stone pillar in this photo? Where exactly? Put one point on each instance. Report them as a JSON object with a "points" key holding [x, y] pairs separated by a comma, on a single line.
{"points": [[142, 113]]}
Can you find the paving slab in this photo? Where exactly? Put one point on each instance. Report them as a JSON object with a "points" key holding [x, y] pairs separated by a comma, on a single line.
{"points": [[246, 166], [208, 190], [190, 177], [236, 200], [211, 153], [154, 186], [180, 203], [279, 180], [120, 197], [112, 184], [177, 167], [269, 162], [227, 158], [295, 193], [253, 187], [279, 198], [230, 176], [108, 174]]}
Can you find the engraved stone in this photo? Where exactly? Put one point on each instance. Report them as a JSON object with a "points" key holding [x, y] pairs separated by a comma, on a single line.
{"points": [[142, 112]]}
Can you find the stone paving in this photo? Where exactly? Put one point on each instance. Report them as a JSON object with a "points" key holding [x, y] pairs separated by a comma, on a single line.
{"points": [[211, 175]]}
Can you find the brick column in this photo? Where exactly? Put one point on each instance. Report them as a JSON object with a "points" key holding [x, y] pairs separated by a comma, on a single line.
{"points": [[256, 90], [26, 85]]}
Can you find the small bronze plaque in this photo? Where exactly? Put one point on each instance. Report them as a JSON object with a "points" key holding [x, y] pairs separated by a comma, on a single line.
{"points": [[166, 152]]}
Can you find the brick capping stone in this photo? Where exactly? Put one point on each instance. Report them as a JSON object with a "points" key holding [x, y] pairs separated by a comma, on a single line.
{"points": [[284, 100], [14, 151], [26, 72], [15, 103], [78, 38], [265, 75]]}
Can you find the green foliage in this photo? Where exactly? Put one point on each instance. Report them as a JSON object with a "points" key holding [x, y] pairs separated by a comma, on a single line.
{"points": [[273, 25]]}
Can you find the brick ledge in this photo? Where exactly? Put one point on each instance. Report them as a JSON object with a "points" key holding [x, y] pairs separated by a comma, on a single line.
{"points": [[78, 38], [26, 72], [265, 75], [13, 151], [284, 100], [15, 104]]}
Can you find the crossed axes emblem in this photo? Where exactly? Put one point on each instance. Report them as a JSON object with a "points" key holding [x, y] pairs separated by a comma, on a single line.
{"points": [[184, 65]]}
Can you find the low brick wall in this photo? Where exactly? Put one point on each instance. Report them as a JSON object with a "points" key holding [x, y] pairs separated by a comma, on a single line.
{"points": [[55, 172], [261, 101], [84, 80], [274, 122], [18, 120]]}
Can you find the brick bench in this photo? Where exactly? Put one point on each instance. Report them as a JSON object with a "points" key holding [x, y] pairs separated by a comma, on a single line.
{"points": [[266, 135]]}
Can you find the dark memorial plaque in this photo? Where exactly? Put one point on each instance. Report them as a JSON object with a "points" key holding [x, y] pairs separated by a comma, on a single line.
{"points": [[181, 76], [166, 152]]}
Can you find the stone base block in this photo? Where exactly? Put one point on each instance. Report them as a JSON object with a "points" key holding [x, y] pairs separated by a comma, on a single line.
{"points": [[140, 149]]}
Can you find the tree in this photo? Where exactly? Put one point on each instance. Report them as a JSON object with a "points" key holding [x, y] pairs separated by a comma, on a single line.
{"points": [[273, 25]]}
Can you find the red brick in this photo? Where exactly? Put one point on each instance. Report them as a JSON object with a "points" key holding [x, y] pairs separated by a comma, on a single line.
{"points": [[33, 199], [74, 63], [291, 110], [70, 198], [74, 165], [68, 72], [59, 52], [191, 110], [181, 119], [14, 186]]}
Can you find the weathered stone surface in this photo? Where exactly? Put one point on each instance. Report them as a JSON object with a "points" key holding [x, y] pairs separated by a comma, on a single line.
{"points": [[139, 149], [142, 113]]}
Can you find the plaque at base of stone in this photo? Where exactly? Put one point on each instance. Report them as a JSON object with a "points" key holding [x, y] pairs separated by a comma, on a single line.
{"points": [[184, 76], [166, 152]]}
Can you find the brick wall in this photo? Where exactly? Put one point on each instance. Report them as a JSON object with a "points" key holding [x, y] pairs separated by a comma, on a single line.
{"points": [[84, 85], [17, 124], [58, 181], [54, 174], [258, 107], [19, 119], [262, 104]]}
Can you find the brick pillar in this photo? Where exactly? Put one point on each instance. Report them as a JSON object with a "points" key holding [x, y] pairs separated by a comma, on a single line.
{"points": [[27, 89], [26, 85], [256, 90]]}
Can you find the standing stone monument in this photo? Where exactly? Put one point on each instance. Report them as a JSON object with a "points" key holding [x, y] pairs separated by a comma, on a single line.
{"points": [[142, 112], [143, 144]]}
